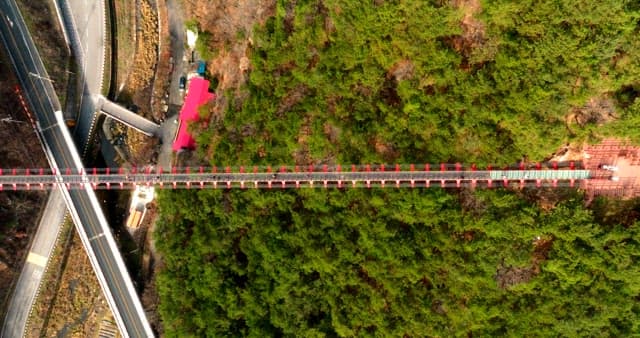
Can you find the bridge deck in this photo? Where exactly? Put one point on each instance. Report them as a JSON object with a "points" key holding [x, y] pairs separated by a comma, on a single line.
{"points": [[128, 117], [286, 177]]}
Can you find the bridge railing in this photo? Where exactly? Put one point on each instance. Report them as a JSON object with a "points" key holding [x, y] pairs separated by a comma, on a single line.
{"points": [[290, 177], [443, 167]]}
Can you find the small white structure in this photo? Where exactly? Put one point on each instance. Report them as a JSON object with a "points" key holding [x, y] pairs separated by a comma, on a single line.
{"points": [[141, 196], [192, 37]]}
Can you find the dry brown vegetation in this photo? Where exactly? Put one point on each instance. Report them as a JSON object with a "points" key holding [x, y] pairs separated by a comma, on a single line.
{"points": [[160, 84], [231, 25], [71, 303], [46, 33], [597, 110], [473, 44], [145, 59], [125, 16], [139, 79], [142, 148], [150, 267], [507, 276]]}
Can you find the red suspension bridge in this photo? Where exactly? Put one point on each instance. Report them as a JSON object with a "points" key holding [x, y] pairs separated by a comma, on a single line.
{"points": [[551, 174], [610, 168]]}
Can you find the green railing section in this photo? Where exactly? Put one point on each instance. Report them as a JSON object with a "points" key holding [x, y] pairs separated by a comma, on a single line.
{"points": [[540, 174]]}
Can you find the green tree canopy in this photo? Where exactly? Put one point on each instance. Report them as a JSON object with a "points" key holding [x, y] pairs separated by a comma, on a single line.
{"points": [[344, 81]]}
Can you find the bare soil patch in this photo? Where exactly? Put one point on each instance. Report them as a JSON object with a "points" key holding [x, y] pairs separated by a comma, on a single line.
{"points": [[568, 152], [473, 37], [507, 276], [231, 25], [403, 70], [597, 110]]}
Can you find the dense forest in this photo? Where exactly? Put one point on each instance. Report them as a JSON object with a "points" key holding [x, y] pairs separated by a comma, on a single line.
{"points": [[393, 263], [345, 81], [413, 81]]}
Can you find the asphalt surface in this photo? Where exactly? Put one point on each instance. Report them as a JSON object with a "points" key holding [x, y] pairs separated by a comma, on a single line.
{"points": [[44, 102], [180, 59], [86, 21], [49, 225], [169, 128], [128, 117]]}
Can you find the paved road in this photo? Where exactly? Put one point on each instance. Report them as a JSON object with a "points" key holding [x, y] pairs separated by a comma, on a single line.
{"points": [[85, 20], [176, 96], [50, 222], [31, 274], [128, 117], [97, 237], [44, 240], [178, 41]]}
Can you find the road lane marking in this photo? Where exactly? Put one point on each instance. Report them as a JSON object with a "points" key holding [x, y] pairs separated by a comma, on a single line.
{"points": [[24, 64], [96, 236], [126, 312], [38, 103], [127, 309], [49, 127], [36, 259]]}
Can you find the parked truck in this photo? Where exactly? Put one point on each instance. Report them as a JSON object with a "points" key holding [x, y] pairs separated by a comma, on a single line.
{"points": [[202, 68]]}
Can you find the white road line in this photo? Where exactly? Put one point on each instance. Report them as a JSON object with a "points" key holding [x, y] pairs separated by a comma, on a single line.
{"points": [[36, 259], [96, 236], [49, 127]]}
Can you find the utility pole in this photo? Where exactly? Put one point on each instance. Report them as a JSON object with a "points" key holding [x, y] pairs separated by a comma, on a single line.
{"points": [[41, 77], [9, 119]]}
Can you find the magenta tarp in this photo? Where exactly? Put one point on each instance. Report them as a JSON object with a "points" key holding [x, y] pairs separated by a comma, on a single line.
{"points": [[197, 95]]}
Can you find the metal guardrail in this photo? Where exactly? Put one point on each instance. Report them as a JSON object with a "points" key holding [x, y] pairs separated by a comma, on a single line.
{"points": [[287, 177]]}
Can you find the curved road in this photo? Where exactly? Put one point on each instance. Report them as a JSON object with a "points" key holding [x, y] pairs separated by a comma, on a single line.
{"points": [[61, 152], [54, 211], [85, 24]]}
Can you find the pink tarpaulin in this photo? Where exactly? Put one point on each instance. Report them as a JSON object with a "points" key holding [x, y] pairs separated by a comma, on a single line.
{"points": [[197, 95]]}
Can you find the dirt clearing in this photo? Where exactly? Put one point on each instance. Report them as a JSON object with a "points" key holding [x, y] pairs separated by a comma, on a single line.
{"points": [[231, 26], [473, 44]]}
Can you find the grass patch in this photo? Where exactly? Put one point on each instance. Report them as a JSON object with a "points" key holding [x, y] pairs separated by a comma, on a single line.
{"points": [[125, 22], [108, 52]]}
